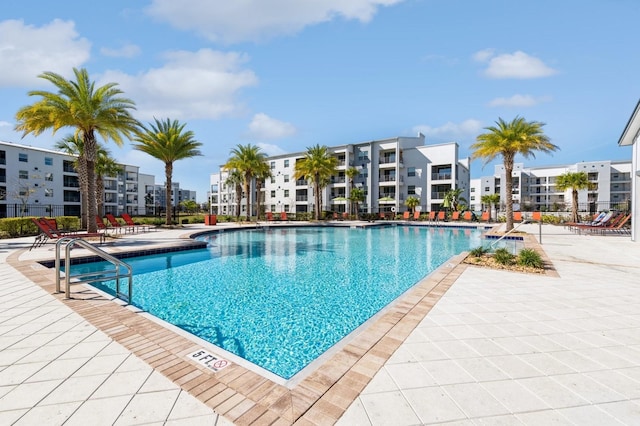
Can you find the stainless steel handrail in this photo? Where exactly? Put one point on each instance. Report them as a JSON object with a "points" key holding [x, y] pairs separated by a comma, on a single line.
{"points": [[507, 234], [68, 243]]}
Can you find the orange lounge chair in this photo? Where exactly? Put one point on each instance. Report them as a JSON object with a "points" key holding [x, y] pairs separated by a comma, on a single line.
{"points": [[283, 216], [537, 216], [517, 216], [129, 221], [406, 215], [442, 215], [455, 215], [432, 215], [468, 216], [269, 216], [416, 215], [485, 217], [345, 215]]}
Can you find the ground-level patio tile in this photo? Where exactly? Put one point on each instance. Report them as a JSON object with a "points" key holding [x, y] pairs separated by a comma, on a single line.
{"points": [[355, 415], [208, 420], [381, 382], [75, 389], [506, 420], [514, 396], [552, 392], [474, 400], [626, 412], [18, 373], [27, 395], [588, 415], [588, 388], [11, 416], [547, 417], [433, 405], [389, 408], [447, 372], [99, 412], [514, 366], [482, 370], [55, 414], [148, 407], [123, 383], [615, 380], [410, 375]]}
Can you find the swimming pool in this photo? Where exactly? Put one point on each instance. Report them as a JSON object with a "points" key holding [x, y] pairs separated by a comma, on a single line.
{"points": [[280, 297]]}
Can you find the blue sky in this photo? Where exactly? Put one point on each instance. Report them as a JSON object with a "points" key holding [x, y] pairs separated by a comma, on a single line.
{"points": [[289, 74]]}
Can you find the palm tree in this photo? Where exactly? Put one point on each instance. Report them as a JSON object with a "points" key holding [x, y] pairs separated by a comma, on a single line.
{"points": [[249, 160], [90, 110], [75, 146], [262, 172], [576, 182], [508, 139], [356, 197], [452, 198], [168, 142], [105, 166], [490, 200], [351, 173], [317, 166], [235, 179], [412, 202]]}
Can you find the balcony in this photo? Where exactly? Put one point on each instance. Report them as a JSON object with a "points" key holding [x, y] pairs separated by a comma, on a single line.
{"points": [[302, 198], [438, 195], [301, 182], [338, 180], [440, 176]]}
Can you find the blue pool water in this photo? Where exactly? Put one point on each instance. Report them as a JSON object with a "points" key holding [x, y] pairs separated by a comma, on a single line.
{"points": [[281, 297]]}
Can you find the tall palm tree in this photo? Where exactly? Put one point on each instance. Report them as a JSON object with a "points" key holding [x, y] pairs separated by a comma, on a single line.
{"points": [[248, 160], [106, 166], [452, 198], [168, 142], [92, 111], [235, 179], [262, 172], [490, 200], [317, 166], [507, 139], [351, 173], [575, 182], [75, 146]]}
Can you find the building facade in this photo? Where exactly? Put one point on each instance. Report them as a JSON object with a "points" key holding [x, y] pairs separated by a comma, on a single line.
{"points": [[535, 188], [389, 171], [629, 137], [43, 182]]}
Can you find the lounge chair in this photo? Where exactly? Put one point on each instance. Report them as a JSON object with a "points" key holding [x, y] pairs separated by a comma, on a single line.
{"points": [[455, 215], [269, 216], [441, 215], [468, 216], [406, 215], [129, 221], [283, 216], [345, 215], [117, 225], [614, 223], [486, 217], [517, 216], [537, 216], [416, 215], [601, 219], [432, 215], [49, 231]]}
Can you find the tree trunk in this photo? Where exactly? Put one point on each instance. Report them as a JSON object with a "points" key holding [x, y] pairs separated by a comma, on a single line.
{"points": [[238, 201], [168, 173], [90, 149], [247, 187], [574, 196], [317, 198], [258, 187], [84, 189], [508, 186], [100, 196]]}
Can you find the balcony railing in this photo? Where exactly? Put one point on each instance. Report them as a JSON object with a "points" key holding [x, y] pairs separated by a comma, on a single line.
{"points": [[339, 179], [302, 198], [438, 195], [440, 176], [301, 182], [386, 178]]}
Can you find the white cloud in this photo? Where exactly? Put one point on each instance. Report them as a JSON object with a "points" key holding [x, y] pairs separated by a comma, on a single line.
{"points": [[263, 127], [271, 149], [242, 20], [5, 124], [450, 131], [516, 65], [519, 101], [483, 55], [27, 51], [126, 51], [191, 85]]}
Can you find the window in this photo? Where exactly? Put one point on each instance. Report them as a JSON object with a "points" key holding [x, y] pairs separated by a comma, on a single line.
{"points": [[286, 178], [411, 190], [3, 157], [273, 179], [23, 174], [473, 197], [364, 173], [286, 207], [273, 165], [23, 158], [286, 163], [48, 192], [48, 161], [363, 155], [286, 192], [411, 171], [48, 176], [487, 189], [273, 194]]}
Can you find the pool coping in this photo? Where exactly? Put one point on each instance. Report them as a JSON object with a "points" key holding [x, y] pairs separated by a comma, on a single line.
{"points": [[241, 395]]}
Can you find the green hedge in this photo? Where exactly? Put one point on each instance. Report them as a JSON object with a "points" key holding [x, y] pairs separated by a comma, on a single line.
{"points": [[23, 226]]}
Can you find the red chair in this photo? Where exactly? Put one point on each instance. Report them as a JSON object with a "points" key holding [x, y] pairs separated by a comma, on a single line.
{"points": [[129, 221], [406, 215], [49, 231], [283, 216], [269, 216], [486, 216], [116, 225], [432, 215], [517, 216], [455, 215], [416, 215], [441, 215]]}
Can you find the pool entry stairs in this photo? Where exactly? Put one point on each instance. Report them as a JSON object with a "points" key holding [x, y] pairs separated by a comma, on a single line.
{"points": [[120, 271]]}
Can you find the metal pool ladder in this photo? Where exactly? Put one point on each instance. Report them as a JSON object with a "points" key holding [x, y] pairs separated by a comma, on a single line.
{"points": [[90, 277]]}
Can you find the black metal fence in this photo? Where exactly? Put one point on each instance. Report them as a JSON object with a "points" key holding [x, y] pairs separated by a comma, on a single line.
{"points": [[50, 210]]}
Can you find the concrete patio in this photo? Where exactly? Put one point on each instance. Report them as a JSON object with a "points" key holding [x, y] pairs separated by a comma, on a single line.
{"points": [[497, 348]]}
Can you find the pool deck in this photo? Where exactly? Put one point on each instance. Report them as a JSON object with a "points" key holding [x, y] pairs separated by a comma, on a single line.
{"points": [[467, 346]]}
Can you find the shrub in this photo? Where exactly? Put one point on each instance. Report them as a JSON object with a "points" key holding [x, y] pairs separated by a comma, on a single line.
{"points": [[478, 251], [17, 226], [503, 256], [531, 258]]}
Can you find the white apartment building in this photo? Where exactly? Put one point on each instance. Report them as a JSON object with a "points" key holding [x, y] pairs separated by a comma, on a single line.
{"points": [[156, 195], [390, 170], [43, 182], [534, 188]]}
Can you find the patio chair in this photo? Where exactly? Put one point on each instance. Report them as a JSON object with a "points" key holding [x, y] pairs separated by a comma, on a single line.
{"points": [[455, 215], [486, 217], [283, 216], [269, 216], [416, 215], [129, 221], [117, 225], [432, 215], [468, 216], [517, 216], [345, 216], [406, 215], [442, 215], [49, 231]]}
